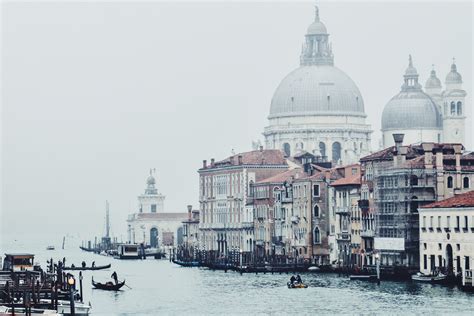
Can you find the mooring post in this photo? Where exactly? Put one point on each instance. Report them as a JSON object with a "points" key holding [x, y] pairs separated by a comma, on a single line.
{"points": [[80, 285]]}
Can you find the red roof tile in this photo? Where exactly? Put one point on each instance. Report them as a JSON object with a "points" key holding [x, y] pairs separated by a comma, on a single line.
{"points": [[256, 157], [461, 200], [285, 176], [350, 180]]}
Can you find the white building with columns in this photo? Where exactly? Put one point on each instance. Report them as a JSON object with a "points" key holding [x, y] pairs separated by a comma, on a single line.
{"points": [[434, 115], [317, 107], [150, 224]]}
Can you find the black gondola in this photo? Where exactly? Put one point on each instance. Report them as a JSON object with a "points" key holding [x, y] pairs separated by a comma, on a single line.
{"points": [[109, 286], [88, 268]]}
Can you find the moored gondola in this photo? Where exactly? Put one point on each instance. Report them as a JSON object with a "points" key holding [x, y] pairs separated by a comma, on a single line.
{"points": [[108, 286], [88, 268]]}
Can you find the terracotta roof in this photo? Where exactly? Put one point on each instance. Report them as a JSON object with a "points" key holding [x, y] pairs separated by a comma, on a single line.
{"points": [[461, 200], [285, 176], [350, 180], [255, 157]]}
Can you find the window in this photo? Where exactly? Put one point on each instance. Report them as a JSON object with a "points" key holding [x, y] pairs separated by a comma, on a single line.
{"points": [[153, 208], [322, 149], [425, 262], [413, 180], [431, 222], [316, 211], [459, 108], [286, 149], [424, 222], [450, 182], [458, 247], [317, 236], [465, 183], [458, 223], [440, 247], [453, 108], [424, 246], [465, 223], [316, 190], [439, 223], [466, 263], [336, 151]]}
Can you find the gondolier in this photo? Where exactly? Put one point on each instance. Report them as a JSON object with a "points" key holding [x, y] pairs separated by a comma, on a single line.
{"points": [[115, 277]]}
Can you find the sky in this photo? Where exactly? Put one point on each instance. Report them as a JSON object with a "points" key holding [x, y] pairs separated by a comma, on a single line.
{"points": [[96, 94]]}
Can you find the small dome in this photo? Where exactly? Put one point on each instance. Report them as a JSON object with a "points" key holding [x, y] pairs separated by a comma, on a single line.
{"points": [[317, 27], [433, 81], [411, 110], [150, 180], [453, 76], [411, 71]]}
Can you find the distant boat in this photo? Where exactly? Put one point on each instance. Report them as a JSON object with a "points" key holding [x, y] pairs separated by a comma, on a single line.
{"points": [[363, 277], [429, 278], [50, 248], [108, 286], [88, 268], [87, 249]]}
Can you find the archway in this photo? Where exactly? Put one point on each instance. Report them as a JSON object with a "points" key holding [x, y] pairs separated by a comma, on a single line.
{"points": [[286, 149], [449, 258], [336, 151], [154, 237]]}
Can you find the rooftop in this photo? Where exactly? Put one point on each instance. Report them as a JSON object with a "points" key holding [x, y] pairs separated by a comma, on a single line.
{"points": [[255, 157], [461, 200], [350, 180]]}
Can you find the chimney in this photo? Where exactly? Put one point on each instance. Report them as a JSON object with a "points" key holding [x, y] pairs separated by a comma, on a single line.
{"points": [[457, 153], [204, 164], [261, 148], [212, 162], [190, 208], [428, 150], [239, 159], [397, 153]]}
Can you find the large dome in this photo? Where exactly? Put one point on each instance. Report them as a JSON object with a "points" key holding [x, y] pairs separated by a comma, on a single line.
{"points": [[317, 90], [411, 110]]}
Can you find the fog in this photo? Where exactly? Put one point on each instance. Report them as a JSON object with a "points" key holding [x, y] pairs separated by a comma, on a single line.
{"points": [[96, 94]]}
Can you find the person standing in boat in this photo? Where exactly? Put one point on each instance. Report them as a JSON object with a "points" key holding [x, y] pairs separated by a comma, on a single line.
{"points": [[115, 277], [292, 279], [298, 279], [93, 264]]}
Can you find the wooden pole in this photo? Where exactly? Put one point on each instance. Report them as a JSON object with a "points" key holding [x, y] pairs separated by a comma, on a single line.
{"points": [[80, 285]]}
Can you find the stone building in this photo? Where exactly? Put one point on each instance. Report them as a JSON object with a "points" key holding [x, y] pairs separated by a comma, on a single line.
{"points": [[190, 246], [447, 235], [151, 225], [432, 116], [395, 183], [226, 223], [317, 107]]}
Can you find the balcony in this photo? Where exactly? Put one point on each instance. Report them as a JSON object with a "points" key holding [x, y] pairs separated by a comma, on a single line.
{"points": [[344, 210], [367, 234], [295, 219], [364, 204], [247, 225], [344, 236], [286, 200], [259, 242]]}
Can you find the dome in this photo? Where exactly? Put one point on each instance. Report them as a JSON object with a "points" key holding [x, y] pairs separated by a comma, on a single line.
{"points": [[317, 27], [433, 81], [453, 76], [317, 90], [150, 180], [411, 110]]}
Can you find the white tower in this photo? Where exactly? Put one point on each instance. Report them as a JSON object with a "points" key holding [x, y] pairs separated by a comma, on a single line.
{"points": [[151, 201], [453, 108]]}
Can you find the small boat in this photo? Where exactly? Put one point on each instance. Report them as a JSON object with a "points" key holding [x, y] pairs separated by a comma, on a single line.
{"points": [[296, 285], [363, 277], [108, 286], [187, 263], [88, 268], [430, 278], [87, 249], [50, 248]]}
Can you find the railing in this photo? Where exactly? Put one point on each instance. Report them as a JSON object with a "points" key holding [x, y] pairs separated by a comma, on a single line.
{"points": [[367, 233], [343, 236], [342, 210], [295, 219], [247, 224]]}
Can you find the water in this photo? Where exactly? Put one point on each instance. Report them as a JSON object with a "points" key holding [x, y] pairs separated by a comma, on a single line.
{"points": [[162, 288]]}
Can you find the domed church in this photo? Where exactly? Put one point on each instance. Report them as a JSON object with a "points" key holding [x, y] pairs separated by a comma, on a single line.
{"points": [[431, 116], [318, 108]]}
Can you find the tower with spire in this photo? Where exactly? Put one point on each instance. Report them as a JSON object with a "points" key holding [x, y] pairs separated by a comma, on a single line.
{"points": [[454, 117]]}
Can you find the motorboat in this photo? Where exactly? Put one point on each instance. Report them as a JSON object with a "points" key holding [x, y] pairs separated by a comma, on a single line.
{"points": [[21, 311], [296, 285], [430, 278]]}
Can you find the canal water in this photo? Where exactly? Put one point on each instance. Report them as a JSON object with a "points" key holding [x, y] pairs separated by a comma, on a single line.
{"points": [[159, 287]]}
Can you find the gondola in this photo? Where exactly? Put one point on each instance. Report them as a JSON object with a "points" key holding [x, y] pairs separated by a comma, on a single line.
{"points": [[87, 249], [88, 268], [108, 286]]}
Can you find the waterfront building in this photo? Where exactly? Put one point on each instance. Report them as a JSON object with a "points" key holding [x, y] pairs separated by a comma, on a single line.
{"points": [[398, 180], [345, 209], [433, 116], [447, 236], [150, 224], [317, 107], [226, 223], [190, 244]]}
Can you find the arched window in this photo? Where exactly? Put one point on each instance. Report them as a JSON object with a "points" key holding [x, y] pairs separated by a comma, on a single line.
{"points": [[322, 149], [450, 182], [453, 108], [300, 146], [286, 149], [413, 180], [459, 108], [154, 237], [316, 211], [316, 236], [336, 151], [414, 204], [465, 183]]}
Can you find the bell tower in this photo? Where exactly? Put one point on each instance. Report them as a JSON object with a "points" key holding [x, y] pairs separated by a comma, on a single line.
{"points": [[454, 117]]}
